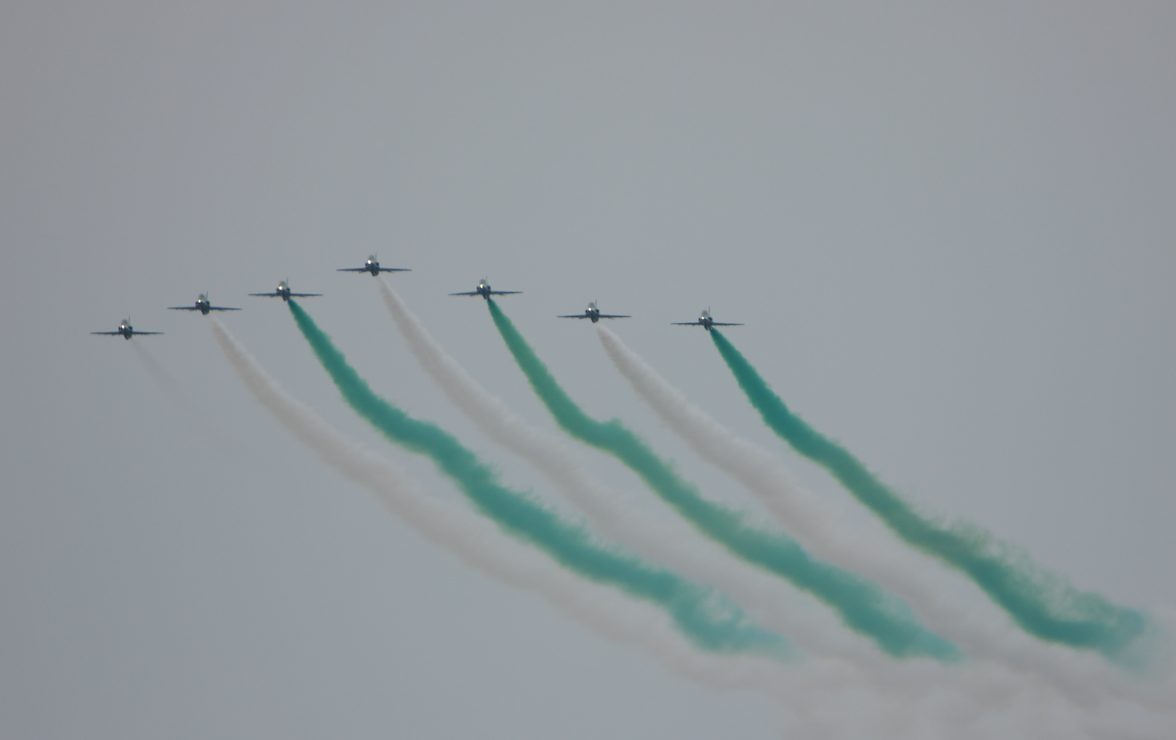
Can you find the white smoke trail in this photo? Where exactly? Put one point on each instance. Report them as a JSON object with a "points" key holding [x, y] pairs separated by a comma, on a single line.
{"points": [[980, 629], [961, 699]]}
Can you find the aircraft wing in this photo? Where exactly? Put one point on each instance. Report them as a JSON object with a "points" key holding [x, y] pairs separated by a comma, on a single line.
{"points": [[221, 308], [137, 333], [109, 333], [267, 295], [720, 323], [354, 269], [183, 308], [613, 316], [686, 323], [574, 316], [472, 292], [305, 295], [505, 292], [395, 269]]}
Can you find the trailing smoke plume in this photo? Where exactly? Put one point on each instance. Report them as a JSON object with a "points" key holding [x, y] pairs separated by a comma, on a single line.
{"points": [[822, 697]]}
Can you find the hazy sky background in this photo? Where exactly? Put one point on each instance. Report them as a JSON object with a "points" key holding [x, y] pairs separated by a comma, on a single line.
{"points": [[951, 233]]}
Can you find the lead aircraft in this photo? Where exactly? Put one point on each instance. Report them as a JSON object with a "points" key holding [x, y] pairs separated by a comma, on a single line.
{"points": [[593, 313], [484, 290], [373, 266], [203, 306], [705, 321], [284, 293], [126, 331]]}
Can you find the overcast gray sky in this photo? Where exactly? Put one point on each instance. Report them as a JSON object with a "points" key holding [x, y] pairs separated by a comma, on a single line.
{"points": [[950, 232]]}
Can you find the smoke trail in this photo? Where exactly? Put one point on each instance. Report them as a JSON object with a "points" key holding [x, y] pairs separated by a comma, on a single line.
{"points": [[1042, 603], [863, 606], [669, 542], [705, 617], [823, 698]]}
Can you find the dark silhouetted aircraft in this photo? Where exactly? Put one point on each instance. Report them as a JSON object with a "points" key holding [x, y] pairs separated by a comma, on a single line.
{"points": [[592, 312], [484, 291], [203, 306], [705, 321], [126, 331], [284, 293], [373, 266]]}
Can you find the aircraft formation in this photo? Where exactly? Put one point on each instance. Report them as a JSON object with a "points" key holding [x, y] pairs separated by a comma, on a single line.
{"points": [[372, 267], [1043, 605]]}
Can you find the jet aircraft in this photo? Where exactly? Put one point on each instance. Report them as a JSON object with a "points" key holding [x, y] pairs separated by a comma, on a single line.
{"points": [[203, 306], [373, 266], [126, 331], [483, 290], [592, 312], [705, 321], [284, 293]]}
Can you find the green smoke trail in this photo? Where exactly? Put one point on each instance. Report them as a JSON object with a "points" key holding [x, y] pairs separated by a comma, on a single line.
{"points": [[1042, 603], [863, 605], [705, 616]]}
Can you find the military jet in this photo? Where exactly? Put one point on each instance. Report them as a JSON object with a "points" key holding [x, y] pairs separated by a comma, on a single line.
{"points": [[203, 306], [483, 290], [284, 293], [126, 331], [592, 312], [705, 321], [373, 266]]}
